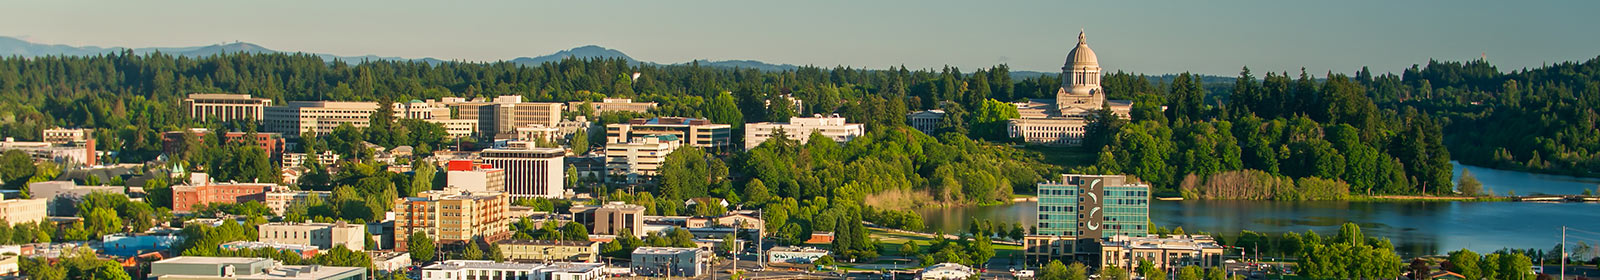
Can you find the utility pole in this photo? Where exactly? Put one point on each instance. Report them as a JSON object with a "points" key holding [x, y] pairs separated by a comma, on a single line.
{"points": [[738, 225], [1563, 252], [761, 247]]}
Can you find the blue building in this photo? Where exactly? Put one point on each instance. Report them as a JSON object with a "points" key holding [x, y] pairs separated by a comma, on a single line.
{"points": [[1079, 211]]}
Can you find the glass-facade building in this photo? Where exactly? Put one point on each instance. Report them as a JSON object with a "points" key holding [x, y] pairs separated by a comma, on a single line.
{"points": [[1081, 210], [1094, 206]]}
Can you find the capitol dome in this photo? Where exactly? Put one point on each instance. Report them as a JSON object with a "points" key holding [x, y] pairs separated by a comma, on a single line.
{"points": [[1081, 56]]}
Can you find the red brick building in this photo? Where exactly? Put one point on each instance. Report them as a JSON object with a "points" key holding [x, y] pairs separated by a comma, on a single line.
{"points": [[185, 198], [273, 143]]}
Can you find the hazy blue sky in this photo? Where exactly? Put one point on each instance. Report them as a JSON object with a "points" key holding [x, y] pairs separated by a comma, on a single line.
{"points": [[1214, 37]]}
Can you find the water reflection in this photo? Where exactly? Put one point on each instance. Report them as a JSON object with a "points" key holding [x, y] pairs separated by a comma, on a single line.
{"points": [[1415, 228]]}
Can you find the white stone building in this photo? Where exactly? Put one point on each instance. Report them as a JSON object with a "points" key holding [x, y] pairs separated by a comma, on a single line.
{"points": [[1062, 121], [225, 107]]}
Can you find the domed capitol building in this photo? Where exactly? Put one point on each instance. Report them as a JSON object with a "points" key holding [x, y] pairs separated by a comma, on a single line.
{"points": [[1062, 121]]}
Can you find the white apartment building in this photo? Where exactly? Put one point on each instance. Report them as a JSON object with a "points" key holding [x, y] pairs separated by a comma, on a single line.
{"points": [[640, 157], [326, 158], [474, 270], [322, 235], [225, 107], [530, 172], [800, 129]]}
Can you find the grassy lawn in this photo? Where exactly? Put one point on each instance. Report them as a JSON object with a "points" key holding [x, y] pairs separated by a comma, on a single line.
{"points": [[893, 240]]}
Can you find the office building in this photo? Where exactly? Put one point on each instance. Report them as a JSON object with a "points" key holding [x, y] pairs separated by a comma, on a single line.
{"points": [[61, 197], [480, 270], [322, 235], [418, 109], [1079, 211], [452, 216], [523, 114], [174, 142], [64, 136], [611, 218], [530, 172], [498, 118], [800, 129], [699, 133], [671, 262], [639, 158], [550, 250], [206, 107], [318, 118], [280, 197], [1062, 121], [474, 177], [438, 112], [18, 210], [191, 267], [612, 105], [68, 155], [457, 128], [186, 198], [1165, 253]]}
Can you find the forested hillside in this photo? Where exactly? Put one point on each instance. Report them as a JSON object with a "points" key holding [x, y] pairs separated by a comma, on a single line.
{"points": [[1367, 134], [1541, 120]]}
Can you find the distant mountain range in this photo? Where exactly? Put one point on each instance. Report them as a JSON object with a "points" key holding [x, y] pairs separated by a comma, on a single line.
{"points": [[17, 47], [10, 46]]}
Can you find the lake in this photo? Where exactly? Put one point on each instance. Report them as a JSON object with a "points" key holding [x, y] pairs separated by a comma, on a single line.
{"points": [[1416, 228]]}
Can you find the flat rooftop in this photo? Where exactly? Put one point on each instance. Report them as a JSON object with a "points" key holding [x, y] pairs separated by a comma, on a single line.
{"points": [[557, 267], [207, 260]]}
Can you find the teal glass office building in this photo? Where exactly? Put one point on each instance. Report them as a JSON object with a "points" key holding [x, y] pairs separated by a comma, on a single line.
{"points": [[1094, 206]]}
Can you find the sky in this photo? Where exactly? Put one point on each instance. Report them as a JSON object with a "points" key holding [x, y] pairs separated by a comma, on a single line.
{"points": [[1210, 37]]}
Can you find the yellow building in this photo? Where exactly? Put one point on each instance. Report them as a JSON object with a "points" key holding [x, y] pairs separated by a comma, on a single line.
{"points": [[17, 211], [453, 216], [547, 250]]}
